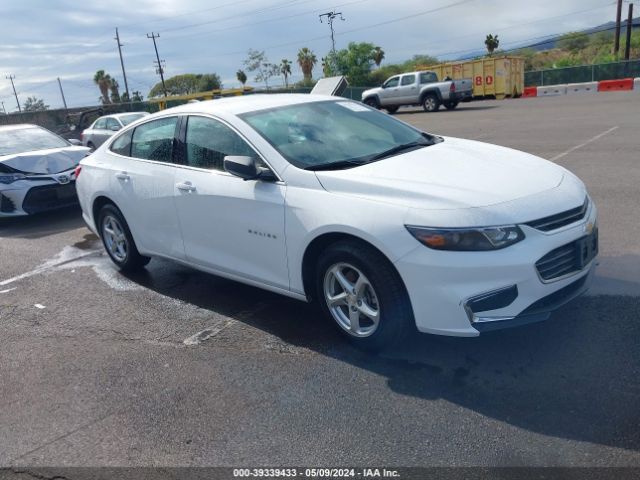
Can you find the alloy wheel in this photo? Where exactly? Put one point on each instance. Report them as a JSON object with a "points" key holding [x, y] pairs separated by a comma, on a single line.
{"points": [[115, 238]]}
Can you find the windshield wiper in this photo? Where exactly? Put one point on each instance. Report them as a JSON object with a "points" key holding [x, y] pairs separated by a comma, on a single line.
{"points": [[340, 165], [400, 148]]}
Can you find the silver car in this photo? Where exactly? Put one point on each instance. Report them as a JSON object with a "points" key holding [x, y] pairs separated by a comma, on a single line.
{"points": [[105, 127]]}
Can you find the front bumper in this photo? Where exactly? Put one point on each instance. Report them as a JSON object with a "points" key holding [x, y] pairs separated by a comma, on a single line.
{"points": [[442, 285], [37, 194]]}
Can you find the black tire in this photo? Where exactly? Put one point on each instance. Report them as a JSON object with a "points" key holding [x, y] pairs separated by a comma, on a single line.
{"points": [[131, 260], [372, 102], [394, 307], [392, 110], [430, 103], [451, 105]]}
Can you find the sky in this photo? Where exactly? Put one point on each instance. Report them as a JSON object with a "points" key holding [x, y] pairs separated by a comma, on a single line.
{"points": [[43, 40]]}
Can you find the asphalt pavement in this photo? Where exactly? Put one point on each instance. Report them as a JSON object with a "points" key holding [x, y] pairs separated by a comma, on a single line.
{"points": [[94, 369]]}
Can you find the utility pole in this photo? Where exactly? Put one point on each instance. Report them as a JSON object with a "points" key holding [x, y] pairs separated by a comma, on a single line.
{"points": [[62, 93], [331, 16], [159, 68], [11, 77], [627, 49], [616, 45], [126, 85], [4, 110]]}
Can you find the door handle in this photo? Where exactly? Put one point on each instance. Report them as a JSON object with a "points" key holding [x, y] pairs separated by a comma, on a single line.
{"points": [[123, 176], [186, 187]]}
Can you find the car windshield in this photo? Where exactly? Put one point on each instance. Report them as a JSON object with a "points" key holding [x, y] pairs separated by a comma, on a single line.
{"points": [[20, 140], [132, 117], [334, 134]]}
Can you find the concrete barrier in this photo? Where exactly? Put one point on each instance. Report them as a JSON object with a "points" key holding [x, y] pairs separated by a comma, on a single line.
{"points": [[552, 90], [615, 85], [586, 87], [636, 84]]}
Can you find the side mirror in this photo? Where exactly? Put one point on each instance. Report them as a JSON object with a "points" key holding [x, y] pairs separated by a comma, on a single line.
{"points": [[115, 128], [75, 142], [246, 168]]}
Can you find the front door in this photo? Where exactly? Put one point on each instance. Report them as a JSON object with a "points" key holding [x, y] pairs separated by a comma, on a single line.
{"points": [[229, 224], [390, 91]]}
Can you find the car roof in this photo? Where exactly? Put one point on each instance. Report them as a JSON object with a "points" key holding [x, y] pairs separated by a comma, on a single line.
{"points": [[249, 103], [18, 126], [118, 115]]}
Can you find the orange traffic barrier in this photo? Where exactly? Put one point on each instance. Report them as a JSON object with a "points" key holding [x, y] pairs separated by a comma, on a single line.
{"points": [[615, 85], [530, 92]]}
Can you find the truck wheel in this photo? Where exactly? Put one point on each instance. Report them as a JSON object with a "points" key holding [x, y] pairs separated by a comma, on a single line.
{"points": [[450, 105], [430, 103], [372, 102], [391, 110]]}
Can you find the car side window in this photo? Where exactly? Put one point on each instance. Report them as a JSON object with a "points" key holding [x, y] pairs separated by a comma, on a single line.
{"points": [[428, 77], [100, 124], [209, 141], [111, 123], [154, 140], [408, 80], [392, 82], [122, 144]]}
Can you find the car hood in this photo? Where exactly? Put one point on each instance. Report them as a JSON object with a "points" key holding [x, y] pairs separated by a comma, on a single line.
{"points": [[46, 161], [453, 174]]}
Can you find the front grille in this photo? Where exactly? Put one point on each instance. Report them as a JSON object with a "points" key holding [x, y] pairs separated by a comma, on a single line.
{"points": [[569, 258], [6, 204], [49, 197], [558, 220]]}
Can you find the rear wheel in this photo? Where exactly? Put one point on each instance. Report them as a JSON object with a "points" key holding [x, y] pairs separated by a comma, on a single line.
{"points": [[392, 110], [92, 147], [363, 295], [430, 103], [450, 105], [118, 241], [372, 102]]}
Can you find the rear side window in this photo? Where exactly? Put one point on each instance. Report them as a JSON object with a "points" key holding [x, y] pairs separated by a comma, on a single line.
{"points": [[154, 140], [209, 141], [122, 144], [408, 80], [101, 123], [112, 124]]}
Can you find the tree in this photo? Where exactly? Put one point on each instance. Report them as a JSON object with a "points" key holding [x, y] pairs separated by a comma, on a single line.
{"points": [[34, 104], [378, 56], [257, 62], [285, 69], [103, 81], [491, 43], [573, 41], [355, 62], [187, 83], [307, 60], [136, 96], [242, 77], [115, 91]]}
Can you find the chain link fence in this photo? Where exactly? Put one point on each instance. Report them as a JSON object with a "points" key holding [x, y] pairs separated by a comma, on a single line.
{"points": [[582, 73]]}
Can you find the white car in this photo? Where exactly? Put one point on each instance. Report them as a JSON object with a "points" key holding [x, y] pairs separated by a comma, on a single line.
{"points": [[105, 127], [389, 228], [37, 170]]}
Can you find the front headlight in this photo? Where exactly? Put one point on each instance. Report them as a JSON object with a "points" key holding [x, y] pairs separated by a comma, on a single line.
{"points": [[467, 239], [8, 178]]}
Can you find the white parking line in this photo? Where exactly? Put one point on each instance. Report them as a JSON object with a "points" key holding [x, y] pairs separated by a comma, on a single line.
{"points": [[66, 256], [207, 333], [592, 139]]}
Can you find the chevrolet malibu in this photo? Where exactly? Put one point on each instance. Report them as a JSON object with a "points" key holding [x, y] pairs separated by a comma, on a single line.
{"points": [[320, 198]]}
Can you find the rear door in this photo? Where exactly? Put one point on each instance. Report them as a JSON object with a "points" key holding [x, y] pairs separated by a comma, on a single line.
{"points": [[142, 185], [98, 132], [228, 224]]}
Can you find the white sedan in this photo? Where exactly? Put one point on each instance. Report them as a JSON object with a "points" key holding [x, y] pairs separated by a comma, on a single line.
{"points": [[388, 228], [37, 170]]}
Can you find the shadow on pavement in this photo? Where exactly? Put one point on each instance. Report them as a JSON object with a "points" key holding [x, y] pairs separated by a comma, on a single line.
{"points": [[574, 376], [41, 224]]}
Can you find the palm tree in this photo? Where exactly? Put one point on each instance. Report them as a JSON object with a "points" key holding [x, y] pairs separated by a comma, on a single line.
{"points": [[492, 43], [285, 69], [115, 91], [103, 80], [378, 56], [242, 77], [306, 59]]}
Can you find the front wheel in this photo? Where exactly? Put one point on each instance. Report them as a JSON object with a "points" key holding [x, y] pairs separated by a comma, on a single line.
{"points": [[371, 102], [430, 103], [118, 241], [363, 295]]}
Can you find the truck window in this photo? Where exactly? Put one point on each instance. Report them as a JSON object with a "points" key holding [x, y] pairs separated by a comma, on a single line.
{"points": [[408, 80], [428, 77], [392, 82]]}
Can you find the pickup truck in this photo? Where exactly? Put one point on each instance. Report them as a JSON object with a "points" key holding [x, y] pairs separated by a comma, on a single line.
{"points": [[418, 88]]}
